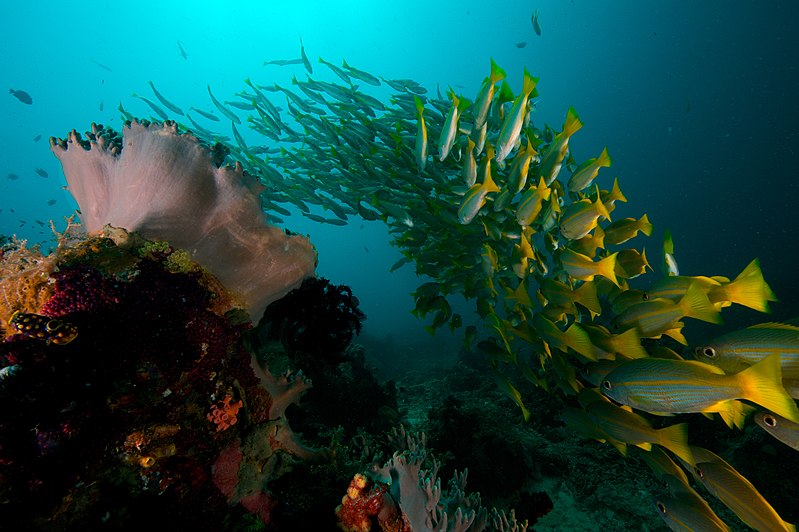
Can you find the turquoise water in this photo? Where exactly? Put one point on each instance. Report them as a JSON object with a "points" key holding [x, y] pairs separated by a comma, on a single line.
{"points": [[696, 104]]}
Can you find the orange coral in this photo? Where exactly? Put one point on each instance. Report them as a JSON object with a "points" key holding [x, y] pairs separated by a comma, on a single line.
{"points": [[224, 413]]}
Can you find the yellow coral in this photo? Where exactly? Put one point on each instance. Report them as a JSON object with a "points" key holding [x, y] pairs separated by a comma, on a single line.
{"points": [[25, 283]]}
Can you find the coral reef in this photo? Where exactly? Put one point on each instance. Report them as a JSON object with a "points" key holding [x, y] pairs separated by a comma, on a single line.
{"points": [[153, 404], [165, 186]]}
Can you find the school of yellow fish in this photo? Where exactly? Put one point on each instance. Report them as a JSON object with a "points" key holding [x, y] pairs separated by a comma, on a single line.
{"points": [[492, 216]]}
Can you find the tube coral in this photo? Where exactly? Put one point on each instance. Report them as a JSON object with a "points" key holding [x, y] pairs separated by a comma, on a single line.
{"points": [[165, 186]]}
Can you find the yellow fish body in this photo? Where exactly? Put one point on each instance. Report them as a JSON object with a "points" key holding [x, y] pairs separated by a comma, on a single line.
{"points": [[662, 386]]}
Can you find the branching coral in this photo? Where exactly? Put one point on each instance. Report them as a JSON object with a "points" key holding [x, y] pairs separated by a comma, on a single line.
{"points": [[411, 497], [164, 185]]}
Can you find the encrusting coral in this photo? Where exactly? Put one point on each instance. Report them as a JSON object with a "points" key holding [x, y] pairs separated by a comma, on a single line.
{"points": [[165, 186]]}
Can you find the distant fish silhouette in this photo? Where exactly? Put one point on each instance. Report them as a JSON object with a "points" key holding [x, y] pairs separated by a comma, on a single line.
{"points": [[521, 44], [37, 138], [101, 105], [13, 177], [42, 172], [22, 96], [102, 65], [536, 25], [182, 51], [51, 202]]}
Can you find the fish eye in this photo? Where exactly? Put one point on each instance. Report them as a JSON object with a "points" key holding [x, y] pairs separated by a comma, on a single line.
{"points": [[699, 472], [661, 507], [645, 296], [606, 385], [770, 420], [707, 351]]}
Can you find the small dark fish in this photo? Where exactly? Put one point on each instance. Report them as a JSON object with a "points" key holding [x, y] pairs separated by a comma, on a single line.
{"points": [[42, 172], [22, 96], [102, 65], [45, 328], [39, 222], [13, 177], [51, 202], [101, 105], [521, 44], [284, 62], [37, 138], [182, 51], [536, 25]]}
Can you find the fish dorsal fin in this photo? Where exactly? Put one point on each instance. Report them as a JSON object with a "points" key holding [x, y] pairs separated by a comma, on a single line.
{"points": [[776, 325], [704, 367]]}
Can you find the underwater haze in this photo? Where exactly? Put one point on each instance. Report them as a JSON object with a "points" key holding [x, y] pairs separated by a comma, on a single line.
{"points": [[696, 102]]}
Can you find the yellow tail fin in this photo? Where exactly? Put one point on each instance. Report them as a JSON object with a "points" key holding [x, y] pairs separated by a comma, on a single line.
{"points": [[675, 439], [762, 384]]}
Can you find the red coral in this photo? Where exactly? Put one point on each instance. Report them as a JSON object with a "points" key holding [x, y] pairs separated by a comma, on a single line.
{"points": [[225, 472]]}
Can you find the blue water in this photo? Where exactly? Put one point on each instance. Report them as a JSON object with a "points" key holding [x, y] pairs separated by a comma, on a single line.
{"points": [[696, 102]]}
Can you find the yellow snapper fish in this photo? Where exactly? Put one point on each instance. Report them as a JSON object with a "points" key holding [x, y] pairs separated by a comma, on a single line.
{"points": [[683, 509], [450, 128], [420, 152], [590, 243], [573, 337], [662, 386], [581, 217], [517, 177], [610, 197], [631, 263], [584, 268], [748, 289], [687, 512], [656, 316], [625, 229], [628, 427], [585, 174], [476, 196], [560, 294], [736, 492], [486, 95], [782, 429], [552, 159], [49, 330], [470, 165], [740, 349], [670, 267], [626, 344], [512, 126], [532, 202]]}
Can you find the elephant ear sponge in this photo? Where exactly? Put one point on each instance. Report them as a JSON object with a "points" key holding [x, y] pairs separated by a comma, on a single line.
{"points": [[165, 186]]}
